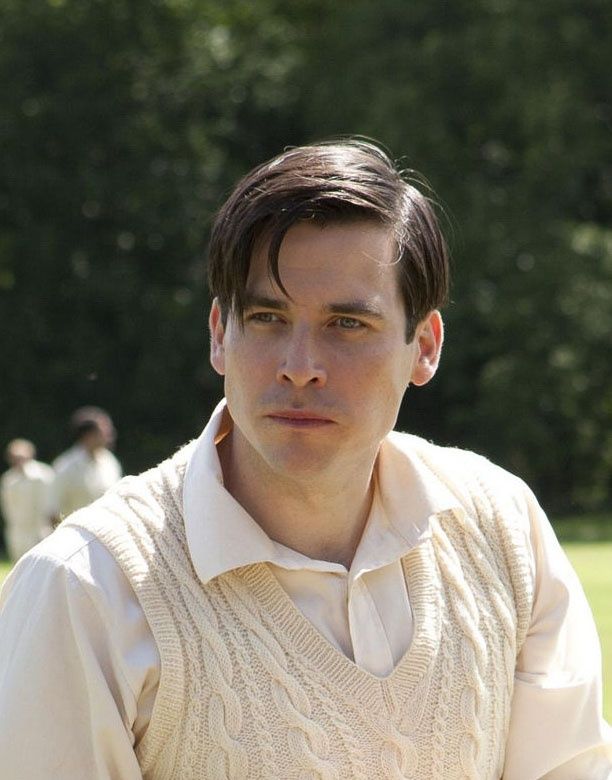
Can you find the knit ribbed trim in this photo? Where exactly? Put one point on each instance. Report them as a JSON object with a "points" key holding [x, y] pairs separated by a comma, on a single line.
{"points": [[309, 644], [496, 509], [106, 518]]}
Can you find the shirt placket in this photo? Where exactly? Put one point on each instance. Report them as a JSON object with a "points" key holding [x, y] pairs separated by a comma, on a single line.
{"points": [[371, 648]]}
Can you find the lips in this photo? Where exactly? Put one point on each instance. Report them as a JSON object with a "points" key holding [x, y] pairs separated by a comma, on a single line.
{"points": [[299, 418]]}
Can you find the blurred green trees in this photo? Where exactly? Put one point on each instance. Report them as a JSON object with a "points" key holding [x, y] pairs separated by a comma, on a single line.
{"points": [[124, 123]]}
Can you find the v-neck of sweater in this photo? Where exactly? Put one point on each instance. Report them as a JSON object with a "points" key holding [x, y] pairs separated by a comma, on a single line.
{"points": [[312, 647]]}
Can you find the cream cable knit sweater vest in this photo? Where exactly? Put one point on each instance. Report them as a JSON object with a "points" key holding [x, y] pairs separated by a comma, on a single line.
{"points": [[250, 689]]}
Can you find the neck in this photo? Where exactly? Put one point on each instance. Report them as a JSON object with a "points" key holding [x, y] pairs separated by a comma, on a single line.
{"points": [[90, 449], [320, 518]]}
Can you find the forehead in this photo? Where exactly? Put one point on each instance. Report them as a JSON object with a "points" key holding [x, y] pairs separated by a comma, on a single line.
{"points": [[357, 255]]}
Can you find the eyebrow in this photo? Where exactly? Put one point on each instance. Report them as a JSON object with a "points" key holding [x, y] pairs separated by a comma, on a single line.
{"points": [[264, 302], [353, 308]]}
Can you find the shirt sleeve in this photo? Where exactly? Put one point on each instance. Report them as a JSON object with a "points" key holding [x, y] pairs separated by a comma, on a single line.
{"points": [[48, 508], [557, 731], [66, 707], [58, 494], [4, 509]]}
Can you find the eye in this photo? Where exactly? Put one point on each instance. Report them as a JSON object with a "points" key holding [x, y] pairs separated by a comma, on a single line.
{"points": [[348, 323], [264, 317]]}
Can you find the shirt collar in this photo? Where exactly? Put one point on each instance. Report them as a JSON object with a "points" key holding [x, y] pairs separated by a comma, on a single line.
{"points": [[222, 536], [406, 497]]}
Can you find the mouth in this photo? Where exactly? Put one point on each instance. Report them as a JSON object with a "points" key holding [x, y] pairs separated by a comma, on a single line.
{"points": [[294, 418]]}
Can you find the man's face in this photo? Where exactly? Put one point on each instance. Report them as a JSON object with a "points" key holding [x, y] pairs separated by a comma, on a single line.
{"points": [[108, 434], [314, 381], [17, 460]]}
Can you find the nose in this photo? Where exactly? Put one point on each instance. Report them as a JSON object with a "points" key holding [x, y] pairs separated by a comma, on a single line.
{"points": [[300, 363]]}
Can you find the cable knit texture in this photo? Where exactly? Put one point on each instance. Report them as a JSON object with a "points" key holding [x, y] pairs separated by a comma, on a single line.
{"points": [[250, 689]]}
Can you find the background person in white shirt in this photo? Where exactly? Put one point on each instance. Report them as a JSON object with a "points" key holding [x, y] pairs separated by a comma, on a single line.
{"points": [[86, 470], [302, 592], [26, 491]]}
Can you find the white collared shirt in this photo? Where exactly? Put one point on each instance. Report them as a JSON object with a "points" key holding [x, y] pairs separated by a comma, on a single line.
{"points": [[26, 499], [83, 476], [85, 637]]}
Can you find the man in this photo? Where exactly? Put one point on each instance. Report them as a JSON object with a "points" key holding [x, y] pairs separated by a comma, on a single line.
{"points": [[88, 468], [25, 498], [300, 592]]}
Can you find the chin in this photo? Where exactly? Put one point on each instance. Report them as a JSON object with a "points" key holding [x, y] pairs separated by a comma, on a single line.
{"points": [[297, 463]]}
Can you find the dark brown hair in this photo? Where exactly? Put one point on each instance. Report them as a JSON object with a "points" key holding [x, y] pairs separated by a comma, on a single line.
{"points": [[329, 182], [87, 419]]}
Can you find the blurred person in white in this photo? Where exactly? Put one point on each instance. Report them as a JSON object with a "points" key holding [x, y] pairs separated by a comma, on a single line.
{"points": [[86, 470], [302, 592], [26, 496]]}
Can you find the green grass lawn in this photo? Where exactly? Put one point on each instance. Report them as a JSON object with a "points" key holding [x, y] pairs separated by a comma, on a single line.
{"points": [[593, 562], [5, 567]]}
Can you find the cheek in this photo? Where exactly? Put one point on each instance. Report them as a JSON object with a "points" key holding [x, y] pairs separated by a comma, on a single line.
{"points": [[376, 387], [246, 370], [385, 367]]}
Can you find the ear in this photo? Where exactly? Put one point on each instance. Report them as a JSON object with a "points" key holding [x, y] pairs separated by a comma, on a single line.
{"points": [[217, 337], [428, 342]]}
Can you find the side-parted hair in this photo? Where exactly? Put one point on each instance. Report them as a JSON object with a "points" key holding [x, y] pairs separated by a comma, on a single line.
{"points": [[331, 182]]}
